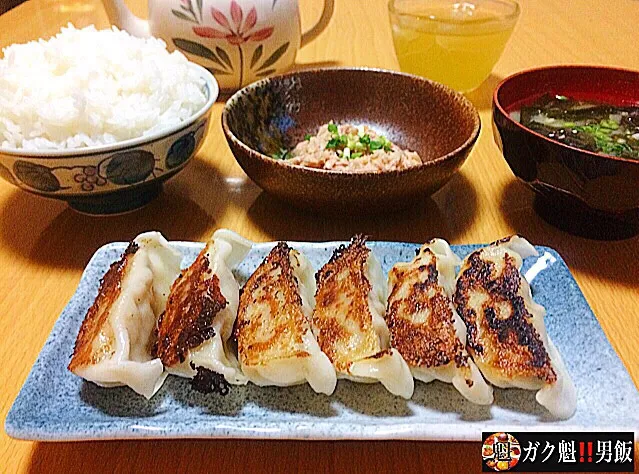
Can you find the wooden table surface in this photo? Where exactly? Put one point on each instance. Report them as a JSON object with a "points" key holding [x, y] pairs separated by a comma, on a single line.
{"points": [[44, 245]]}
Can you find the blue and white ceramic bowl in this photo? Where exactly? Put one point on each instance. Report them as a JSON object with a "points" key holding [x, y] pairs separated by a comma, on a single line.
{"points": [[115, 178]]}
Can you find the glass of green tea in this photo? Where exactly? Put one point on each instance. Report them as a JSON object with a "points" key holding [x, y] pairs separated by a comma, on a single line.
{"points": [[453, 42]]}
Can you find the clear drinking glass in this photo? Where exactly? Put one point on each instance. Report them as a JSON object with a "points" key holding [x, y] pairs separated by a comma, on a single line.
{"points": [[453, 42]]}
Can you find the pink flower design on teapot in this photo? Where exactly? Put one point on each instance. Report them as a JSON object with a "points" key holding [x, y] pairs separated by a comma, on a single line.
{"points": [[238, 41], [238, 33]]}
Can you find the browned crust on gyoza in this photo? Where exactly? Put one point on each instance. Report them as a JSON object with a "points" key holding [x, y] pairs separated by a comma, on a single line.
{"points": [[511, 346], [84, 352], [193, 303], [342, 290], [433, 342], [279, 291]]}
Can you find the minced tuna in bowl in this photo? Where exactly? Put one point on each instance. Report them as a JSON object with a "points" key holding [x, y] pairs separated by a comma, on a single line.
{"points": [[348, 147]]}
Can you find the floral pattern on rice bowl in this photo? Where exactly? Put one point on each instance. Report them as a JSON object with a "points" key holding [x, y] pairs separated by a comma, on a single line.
{"points": [[103, 172]]}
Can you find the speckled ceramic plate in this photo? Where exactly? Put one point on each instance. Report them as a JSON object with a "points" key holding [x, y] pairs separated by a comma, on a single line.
{"points": [[55, 405]]}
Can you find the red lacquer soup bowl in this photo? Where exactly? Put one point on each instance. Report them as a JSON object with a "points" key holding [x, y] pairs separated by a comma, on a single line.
{"points": [[581, 191]]}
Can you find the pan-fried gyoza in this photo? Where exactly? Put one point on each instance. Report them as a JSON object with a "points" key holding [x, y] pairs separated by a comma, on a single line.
{"points": [[114, 344], [275, 342], [195, 329], [349, 320], [424, 326], [506, 333]]}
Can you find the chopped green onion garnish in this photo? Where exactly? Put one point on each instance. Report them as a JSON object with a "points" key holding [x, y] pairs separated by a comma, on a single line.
{"points": [[307, 137], [357, 146], [610, 124], [337, 141], [375, 145]]}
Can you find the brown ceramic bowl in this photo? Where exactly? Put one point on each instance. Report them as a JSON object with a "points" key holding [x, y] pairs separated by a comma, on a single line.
{"points": [[429, 118], [585, 193]]}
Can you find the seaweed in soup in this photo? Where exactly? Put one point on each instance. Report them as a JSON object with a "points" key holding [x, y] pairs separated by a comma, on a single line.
{"points": [[598, 127]]}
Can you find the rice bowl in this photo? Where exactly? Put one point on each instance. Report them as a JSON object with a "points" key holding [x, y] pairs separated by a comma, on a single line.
{"points": [[86, 88], [108, 176]]}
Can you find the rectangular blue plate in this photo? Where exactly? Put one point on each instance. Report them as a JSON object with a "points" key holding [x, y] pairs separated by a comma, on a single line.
{"points": [[55, 405]]}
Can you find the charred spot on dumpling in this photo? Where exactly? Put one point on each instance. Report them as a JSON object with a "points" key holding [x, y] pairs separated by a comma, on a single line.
{"points": [[461, 359], [84, 352], [131, 248], [506, 289], [357, 242], [433, 342], [471, 279], [331, 330], [509, 341], [507, 285], [207, 381], [380, 354], [278, 257], [195, 339], [503, 240], [354, 250], [155, 336], [194, 302]]}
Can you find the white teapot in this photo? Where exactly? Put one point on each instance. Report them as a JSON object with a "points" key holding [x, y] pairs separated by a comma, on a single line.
{"points": [[239, 41]]}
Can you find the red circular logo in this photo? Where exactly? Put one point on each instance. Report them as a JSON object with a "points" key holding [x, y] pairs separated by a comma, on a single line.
{"points": [[501, 451]]}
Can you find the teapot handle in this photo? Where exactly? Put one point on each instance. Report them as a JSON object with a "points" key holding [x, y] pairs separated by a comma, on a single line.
{"points": [[120, 16], [327, 13]]}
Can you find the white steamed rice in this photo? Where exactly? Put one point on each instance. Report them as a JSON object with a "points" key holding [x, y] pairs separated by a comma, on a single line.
{"points": [[85, 87]]}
